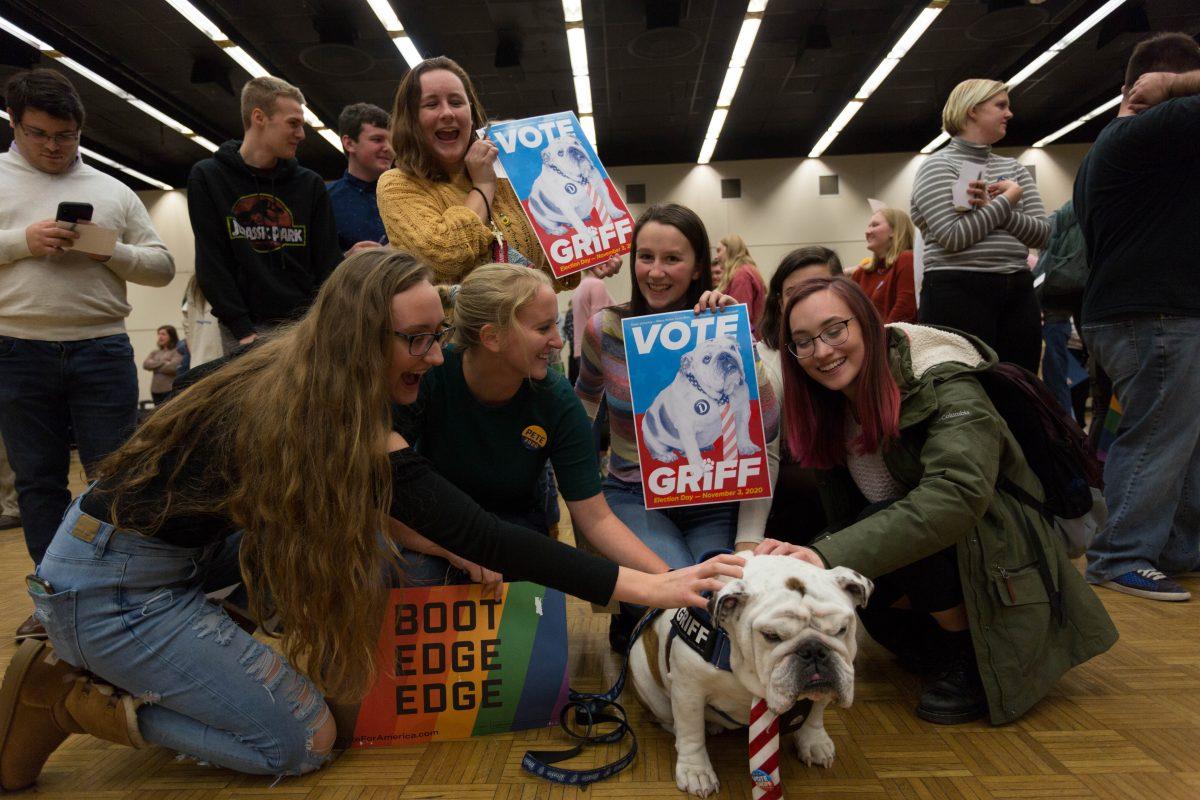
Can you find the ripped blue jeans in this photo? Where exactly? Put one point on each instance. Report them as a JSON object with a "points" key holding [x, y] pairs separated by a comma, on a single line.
{"points": [[132, 610]]}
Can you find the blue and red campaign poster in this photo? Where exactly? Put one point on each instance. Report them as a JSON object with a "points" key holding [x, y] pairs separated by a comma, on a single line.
{"points": [[696, 409], [572, 205], [454, 664]]}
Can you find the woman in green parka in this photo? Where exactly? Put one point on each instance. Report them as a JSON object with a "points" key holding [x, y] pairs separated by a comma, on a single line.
{"points": [[912, 450]]}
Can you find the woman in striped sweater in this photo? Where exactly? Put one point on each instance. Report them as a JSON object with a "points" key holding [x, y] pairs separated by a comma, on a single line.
{"points": [[976, 276]]}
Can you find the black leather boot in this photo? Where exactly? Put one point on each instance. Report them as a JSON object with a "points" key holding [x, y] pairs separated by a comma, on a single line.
{"points": [[956, 695]]}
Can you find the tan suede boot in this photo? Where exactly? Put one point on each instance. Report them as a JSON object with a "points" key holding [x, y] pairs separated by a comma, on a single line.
{"points": [[43, 700]]}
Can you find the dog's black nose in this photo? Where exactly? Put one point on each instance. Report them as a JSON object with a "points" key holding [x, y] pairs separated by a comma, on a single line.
{"points": [[814, 653]]}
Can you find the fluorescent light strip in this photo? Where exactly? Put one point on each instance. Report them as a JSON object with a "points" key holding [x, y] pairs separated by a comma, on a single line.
{"points": [[878, 75], [1088, 117], [104, 83], [391, 23], [247, 62], [937, 142], [1078, 31], [733, 76], [1092, 20], [92, 154], [577, 49]]}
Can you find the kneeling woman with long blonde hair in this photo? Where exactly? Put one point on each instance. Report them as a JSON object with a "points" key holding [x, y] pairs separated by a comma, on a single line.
{"points": [[496, 401], [290, 444]]}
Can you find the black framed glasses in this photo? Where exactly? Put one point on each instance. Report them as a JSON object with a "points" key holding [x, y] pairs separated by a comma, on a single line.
{"points": [[835, 335], [41, 137], [420, 343]]}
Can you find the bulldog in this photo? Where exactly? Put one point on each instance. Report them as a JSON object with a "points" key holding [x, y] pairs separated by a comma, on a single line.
{"points": [[685, 417], [791, 636], [559, 199]]}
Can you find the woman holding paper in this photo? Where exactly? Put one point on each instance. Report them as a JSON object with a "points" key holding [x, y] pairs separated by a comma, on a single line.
{"points": [[671, 273], [287, 454], [976, 278], [444, 202], [911, 448], [496, 401]]}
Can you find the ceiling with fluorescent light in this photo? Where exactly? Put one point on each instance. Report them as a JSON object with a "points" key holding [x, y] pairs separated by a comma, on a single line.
{"points": [[655, 68]]}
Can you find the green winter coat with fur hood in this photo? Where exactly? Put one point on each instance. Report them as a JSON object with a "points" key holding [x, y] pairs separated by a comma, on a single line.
{"points": [[953, 447]]}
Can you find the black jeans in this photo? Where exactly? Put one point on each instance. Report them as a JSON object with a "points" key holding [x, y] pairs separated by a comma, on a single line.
{"points": [[1001, 309]]}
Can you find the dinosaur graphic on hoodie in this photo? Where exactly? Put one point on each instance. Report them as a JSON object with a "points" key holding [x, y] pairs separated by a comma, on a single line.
{"points": [[265, 239]]}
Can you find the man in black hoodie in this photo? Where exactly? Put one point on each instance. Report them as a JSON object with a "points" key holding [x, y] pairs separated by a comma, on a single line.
{"points": [[265, 234]]}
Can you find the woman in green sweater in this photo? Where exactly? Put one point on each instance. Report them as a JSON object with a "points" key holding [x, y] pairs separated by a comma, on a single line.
{"points": [[493, 414]]}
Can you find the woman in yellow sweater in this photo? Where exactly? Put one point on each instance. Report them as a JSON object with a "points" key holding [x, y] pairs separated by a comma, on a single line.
{"points": [[443, 202]]}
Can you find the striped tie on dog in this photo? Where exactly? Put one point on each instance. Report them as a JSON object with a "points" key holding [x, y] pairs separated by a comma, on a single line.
{"points": [[597, 205], [764, 752], [729, 449]]}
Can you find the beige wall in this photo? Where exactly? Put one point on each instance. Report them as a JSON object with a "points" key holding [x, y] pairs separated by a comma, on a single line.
{"points": [[779, 210]]}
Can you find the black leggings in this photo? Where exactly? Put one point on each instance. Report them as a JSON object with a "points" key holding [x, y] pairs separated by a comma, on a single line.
{"points": [[1000, 308], [931, 584]]}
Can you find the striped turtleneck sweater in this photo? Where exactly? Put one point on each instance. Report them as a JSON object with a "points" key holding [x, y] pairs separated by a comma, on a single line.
{"points": [[991, 238]]}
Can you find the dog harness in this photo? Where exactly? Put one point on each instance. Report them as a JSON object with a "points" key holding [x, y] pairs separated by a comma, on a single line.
{"points": [[694, 626]]}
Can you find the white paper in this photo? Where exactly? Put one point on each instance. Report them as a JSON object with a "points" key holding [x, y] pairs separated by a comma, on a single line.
{"points": [[876, 205], [969, 173], [94, 240]]}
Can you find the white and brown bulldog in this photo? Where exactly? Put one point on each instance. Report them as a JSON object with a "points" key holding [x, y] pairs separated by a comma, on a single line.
{"points": [[791, 636]]}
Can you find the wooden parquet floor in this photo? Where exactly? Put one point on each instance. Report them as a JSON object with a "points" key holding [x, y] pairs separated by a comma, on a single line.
{"points": [[1123, 727]]}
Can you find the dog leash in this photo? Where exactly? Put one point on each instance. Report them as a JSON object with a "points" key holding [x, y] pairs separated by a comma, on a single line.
{"points": [[591, 710]]}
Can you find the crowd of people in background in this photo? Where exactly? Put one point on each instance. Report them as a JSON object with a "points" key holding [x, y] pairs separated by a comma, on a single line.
{"points": [[379, 344]]}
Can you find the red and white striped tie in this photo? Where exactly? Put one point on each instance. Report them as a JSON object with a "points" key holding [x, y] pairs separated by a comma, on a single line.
{"points": [[764, 752], [729, 450], [597, 205]]}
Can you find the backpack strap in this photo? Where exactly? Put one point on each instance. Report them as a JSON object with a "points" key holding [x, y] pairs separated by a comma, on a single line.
{"points": [[1031, 538]]}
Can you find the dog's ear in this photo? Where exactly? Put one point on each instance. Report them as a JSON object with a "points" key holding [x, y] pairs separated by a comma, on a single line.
{"points": [[853, 584], [686, 361], [727, 604]]}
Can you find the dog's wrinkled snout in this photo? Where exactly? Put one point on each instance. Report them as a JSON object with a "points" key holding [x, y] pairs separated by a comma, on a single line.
{"points": [[814, 653], [728, 363]]}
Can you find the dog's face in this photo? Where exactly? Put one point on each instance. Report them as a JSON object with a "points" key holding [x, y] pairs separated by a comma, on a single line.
{"points": [[566, 153], [792, 627], [716, 365]]}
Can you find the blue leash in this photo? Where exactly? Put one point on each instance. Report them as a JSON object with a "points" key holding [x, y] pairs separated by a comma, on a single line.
{"points": [[591, 710]]}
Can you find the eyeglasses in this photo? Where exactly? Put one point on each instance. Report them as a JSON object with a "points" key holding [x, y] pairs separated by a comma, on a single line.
{"points": [[41, 137], [420, 343], [835, 335]]}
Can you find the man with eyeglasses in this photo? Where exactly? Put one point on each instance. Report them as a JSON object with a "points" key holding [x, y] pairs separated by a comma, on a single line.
{"points": [[66, 365]]}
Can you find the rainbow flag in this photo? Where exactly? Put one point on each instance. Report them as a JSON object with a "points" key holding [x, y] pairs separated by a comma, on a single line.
{"points": [[454, 664]]}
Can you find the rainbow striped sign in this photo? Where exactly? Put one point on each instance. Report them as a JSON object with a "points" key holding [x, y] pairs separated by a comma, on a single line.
{"points": [[456, 665]]}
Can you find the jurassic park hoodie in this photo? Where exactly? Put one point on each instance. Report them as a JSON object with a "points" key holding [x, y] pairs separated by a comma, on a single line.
{"points": [[265, 239]]}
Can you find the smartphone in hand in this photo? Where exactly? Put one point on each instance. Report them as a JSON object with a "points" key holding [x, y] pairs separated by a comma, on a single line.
{"points": [[73, 213]]}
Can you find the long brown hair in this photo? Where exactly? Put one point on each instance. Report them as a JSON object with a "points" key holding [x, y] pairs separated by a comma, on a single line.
{"points": [[687, 222], [412, 156], [296, 430], [815, 417]]}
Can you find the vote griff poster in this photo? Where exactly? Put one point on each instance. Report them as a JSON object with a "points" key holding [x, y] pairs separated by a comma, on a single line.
{"points": [[696, 408], [579, 218], [455, 665]]}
